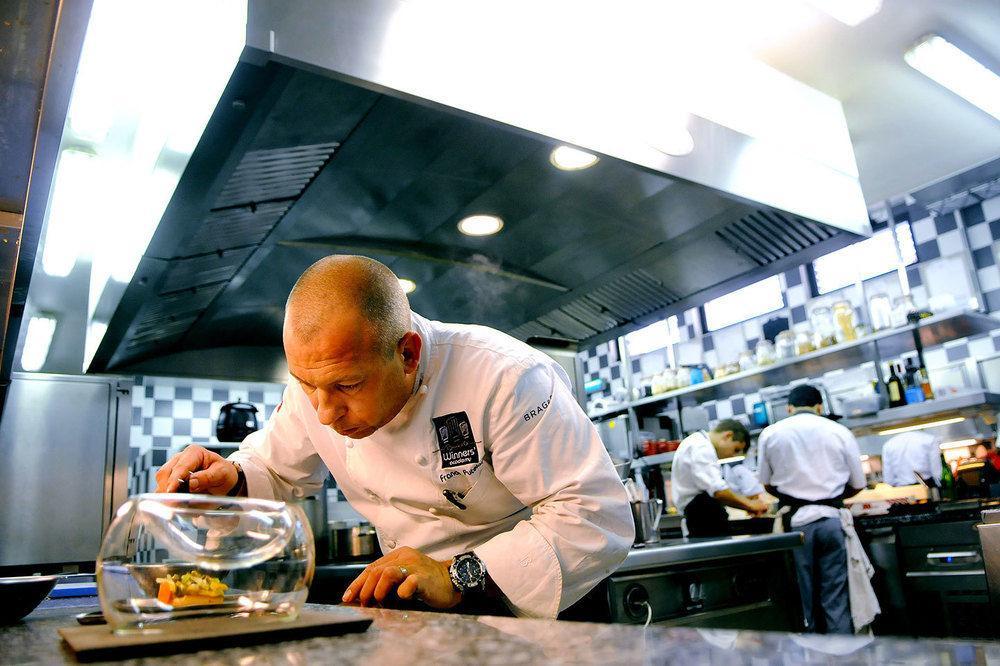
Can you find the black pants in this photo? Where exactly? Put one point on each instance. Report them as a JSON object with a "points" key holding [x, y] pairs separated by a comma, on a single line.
{"points": [[706, 517]]}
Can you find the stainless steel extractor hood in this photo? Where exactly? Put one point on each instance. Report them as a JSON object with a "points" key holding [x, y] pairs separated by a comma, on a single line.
{"points": [[327, 141]]}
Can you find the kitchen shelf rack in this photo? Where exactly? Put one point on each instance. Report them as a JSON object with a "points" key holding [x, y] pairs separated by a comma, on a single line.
{"points": [[963, 404], [872, 348]]}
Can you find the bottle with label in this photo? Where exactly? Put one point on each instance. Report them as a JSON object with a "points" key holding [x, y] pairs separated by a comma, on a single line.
{"points": [[913, 393], [925, 382], [947, 481], [894, 387]]}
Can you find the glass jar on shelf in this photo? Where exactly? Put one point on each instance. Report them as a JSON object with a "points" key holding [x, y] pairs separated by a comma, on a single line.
{"points": [[824, 332], [804, 341], [843, 316], [669, 379], [784, 345], [764, 352], [746, 360], [880, 309], [902, 306]]}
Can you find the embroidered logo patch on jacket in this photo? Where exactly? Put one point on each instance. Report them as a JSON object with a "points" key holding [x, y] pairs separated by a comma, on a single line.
{"points": [[455, 439]]}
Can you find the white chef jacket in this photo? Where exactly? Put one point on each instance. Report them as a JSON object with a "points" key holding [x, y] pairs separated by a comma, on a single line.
{"points": [[812, 458], [908, 454], [695, 469], [492, 421]]}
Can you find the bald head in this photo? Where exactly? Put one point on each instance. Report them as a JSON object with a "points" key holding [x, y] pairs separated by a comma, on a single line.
{"points": [[339, 287]]}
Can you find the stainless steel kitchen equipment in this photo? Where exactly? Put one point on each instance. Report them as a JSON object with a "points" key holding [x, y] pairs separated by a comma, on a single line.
{"points": [[646, 516], [65, 444], [740, 583], [615, 435], [315, 509], [257, 192], [352, 540], [989, 541]]}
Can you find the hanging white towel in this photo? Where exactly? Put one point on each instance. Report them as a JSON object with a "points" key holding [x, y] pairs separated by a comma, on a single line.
{"points": [[864, 603]]}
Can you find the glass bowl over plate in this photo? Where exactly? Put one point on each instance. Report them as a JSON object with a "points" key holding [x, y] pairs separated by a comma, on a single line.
{"points": [[179, 556]]}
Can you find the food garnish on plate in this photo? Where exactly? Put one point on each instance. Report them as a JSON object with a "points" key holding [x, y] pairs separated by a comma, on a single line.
{"points": [[191, 589]]}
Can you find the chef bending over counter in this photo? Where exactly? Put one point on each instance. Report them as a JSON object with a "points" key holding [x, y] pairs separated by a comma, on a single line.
{"points": [[487, 484]]}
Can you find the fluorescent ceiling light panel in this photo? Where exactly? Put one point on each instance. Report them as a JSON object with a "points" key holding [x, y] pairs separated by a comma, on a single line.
{"points": [[958, 444], [848, 12], [938, 59], [409, 286], [922, 426], [36, 343], [571, 159]]}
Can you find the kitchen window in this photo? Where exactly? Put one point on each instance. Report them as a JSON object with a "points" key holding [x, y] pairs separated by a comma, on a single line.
{"points": [[863, 260], [746, 303]]}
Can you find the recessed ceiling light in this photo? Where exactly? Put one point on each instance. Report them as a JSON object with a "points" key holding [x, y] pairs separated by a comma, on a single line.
{"points": [[676, 141], [409, 286], [848, 12], [480, 225], [937, 58], [572, 159]]}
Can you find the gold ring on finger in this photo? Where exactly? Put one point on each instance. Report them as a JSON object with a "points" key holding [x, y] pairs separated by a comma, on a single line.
{"points": [[404, 571]]}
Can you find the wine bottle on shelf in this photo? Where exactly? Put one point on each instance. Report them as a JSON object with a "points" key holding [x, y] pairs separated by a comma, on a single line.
{"points": [[925, 381], [894, 387], [913, 392]]}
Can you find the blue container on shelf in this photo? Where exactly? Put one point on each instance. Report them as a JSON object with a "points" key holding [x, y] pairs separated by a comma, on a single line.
{"points": [[760, 414], [914, 394]]}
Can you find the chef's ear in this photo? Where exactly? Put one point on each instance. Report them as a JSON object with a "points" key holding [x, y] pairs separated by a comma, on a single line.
{"points": [[409, 348]]}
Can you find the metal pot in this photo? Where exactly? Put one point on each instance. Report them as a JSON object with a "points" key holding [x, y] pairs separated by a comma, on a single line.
{"points": [[351, 540], [315, 510]]}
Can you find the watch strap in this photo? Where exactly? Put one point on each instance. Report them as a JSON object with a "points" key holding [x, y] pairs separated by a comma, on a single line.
{"points": [[239, 490]]}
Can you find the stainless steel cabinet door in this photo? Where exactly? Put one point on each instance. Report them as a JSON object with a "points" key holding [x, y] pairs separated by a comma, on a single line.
{"points": [[54, 443]]}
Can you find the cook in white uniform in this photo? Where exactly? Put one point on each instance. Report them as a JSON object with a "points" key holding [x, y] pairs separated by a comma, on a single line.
{"points": [[811, 464], [462, 445], [911, 454], [697, 486]]}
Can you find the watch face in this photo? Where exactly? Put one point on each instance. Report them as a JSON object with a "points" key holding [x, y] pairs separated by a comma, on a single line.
{"points": [[469, 571]]}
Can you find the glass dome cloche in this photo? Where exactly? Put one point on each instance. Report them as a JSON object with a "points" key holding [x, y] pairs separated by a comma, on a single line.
{"points": [[178, 556]]}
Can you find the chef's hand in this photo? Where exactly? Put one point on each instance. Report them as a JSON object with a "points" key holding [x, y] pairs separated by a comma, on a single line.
{"points": [[411, 573], [206, 472], [756, 507]]}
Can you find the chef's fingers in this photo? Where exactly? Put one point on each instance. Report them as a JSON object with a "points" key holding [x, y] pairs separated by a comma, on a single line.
{"points": [[352, 590], [216, 479], [365, 595], [408, 587], [189, 460], [391, 577]]}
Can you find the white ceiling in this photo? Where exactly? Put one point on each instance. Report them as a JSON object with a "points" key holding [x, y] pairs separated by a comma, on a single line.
{"points": [[907, 130]]}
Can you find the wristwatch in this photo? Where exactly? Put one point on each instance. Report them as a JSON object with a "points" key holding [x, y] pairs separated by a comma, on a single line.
{"points": [[468, 573], [241, 481]]}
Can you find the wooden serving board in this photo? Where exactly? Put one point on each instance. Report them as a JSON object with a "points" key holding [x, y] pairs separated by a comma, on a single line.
{"points": [[94, 642]]}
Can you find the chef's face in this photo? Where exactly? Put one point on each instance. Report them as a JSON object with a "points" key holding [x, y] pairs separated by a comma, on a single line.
{"points": [[727, 447], [355, 385]]}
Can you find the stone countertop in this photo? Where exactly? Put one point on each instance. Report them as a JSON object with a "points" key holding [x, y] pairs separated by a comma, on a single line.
{"points": [[414, 637]]}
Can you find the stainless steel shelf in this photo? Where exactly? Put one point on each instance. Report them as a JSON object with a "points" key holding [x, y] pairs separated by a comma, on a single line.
{"points": [[890, 343], [657, 459], [961, 404]]}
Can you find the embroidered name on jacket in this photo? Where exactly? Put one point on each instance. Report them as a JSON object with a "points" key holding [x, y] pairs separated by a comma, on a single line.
{"points": [[537, 411], [455, 439]]}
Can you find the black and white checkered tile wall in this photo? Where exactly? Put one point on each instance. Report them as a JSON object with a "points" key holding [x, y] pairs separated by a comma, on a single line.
{"points": [[602, 362], [170, 413], [938, 281]]}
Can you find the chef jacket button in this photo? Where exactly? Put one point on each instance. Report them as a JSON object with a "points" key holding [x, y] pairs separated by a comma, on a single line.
{"points": [[420, 459], [434, 510], [350, 445], [391, 543]]}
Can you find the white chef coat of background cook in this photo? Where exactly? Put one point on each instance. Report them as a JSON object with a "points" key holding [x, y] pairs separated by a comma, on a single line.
{"points": [[546, 511], [695, 469], [908, 454], [812, 458]]}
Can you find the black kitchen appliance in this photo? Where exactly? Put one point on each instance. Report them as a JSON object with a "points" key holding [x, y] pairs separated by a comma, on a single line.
{"points": [[236, 421]]}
